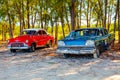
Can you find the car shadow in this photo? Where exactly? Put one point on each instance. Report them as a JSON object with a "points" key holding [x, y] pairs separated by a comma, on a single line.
{"points": [[77, 56], [27, 51], [38, 48]]}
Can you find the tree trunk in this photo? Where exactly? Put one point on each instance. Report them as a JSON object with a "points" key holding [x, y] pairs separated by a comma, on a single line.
{"points": [[90, 9], [105, 17], [32, 20], [41, 16], [97, 23], [115, 17], [19, 11], [9, 20], [52, 24], [66, 17], [3, 32], [118, 20], [87, 14], [41, 19], [10, 24], [62, 22], [101, 12], [28, 14], [109, 20], [80, 11], [20, 24], [78, 25], [45, 26], [56, 32], [13, 25], [23, 20], [73, 15]]}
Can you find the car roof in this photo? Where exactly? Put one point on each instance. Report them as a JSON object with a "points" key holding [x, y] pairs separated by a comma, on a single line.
{"points": [[34, 29], [89, 28]]}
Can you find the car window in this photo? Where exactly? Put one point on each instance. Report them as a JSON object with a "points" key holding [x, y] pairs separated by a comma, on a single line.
{"points": [[105, 32], [86, 32], [91, 32], [71, 34], [78, 33], [44, 32], [30, 32], [39, 33], [100, 33]]}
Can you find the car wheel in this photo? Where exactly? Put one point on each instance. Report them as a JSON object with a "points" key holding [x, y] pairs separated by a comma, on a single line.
{"points": [[109, 47], [12, 50], [32, 48], [96, 54], [65, 55]]}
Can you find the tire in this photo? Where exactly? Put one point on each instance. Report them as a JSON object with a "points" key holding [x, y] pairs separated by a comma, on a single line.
{"points": [[65, 55], [32, 48], [12, 50], [96, 54], [109, 47]]}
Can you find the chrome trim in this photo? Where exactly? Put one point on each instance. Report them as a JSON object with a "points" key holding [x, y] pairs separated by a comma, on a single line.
{"points": [[75, 46], [19, 47], [26, 47], [76, 50]]}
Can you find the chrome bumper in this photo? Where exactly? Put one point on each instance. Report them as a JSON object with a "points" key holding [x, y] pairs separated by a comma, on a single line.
{"points": [[80, 50], [18, 47]]}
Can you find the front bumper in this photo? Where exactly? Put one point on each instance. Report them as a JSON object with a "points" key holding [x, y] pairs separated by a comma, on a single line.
{"points": [[76, 50], [18, 47]]}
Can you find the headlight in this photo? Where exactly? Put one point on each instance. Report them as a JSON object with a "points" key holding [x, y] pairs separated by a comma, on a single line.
{"points": [[61, 43], [27, 41], [90, 43]]}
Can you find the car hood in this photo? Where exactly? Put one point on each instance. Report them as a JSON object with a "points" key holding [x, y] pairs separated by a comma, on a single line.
{"points": [[77, 41], [21, 38]]}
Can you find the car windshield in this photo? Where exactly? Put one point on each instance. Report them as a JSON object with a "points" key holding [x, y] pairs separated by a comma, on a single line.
{"points": [[86, 32], [30, 32], [83, 32]]}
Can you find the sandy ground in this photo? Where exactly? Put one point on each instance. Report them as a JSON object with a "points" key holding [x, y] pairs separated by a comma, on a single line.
{"points": [[44, 64]]}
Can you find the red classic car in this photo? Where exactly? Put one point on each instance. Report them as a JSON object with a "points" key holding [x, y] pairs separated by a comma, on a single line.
{"points": [[30, 39]]}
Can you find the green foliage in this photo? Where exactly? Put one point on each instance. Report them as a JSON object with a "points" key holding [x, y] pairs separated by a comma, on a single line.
{"points": [[45, 13], [17, 31]]}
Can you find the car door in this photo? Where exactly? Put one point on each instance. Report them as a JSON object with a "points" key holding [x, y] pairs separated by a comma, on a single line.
{"points": [[45, 37], [39, 38], [105, 38]]}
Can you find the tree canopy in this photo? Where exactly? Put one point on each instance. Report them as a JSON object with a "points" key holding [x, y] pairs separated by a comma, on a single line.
{"points": [[16, 15]]}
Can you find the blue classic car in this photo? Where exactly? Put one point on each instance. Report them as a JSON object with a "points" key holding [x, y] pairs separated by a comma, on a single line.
{"points": [[86, 41]]}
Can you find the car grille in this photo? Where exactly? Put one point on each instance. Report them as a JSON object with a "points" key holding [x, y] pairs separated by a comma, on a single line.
{"points": [[76, 48], [17, 44]]}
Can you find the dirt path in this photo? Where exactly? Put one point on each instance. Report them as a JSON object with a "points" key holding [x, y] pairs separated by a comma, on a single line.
{"points": [[44, 64]]}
